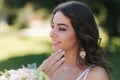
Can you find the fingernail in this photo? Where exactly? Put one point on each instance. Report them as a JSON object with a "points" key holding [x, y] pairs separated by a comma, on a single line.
{"points": [[62, 52], [63, 58], [59, 50]]}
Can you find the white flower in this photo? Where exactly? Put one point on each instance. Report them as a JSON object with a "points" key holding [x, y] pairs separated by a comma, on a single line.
{"points": [[15, 77], [3, 77], [12, 71], [29, 73]]}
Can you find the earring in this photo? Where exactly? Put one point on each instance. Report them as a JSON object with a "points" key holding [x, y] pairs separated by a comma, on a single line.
{"points": [[82, 54]]}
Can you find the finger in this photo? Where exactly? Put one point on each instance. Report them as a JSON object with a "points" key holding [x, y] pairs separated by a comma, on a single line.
{"points": [[55, 67], [58, 64], [48, 63], [58, 57], [60, 70], [56, 72], [42, 66], [54, 59], [56, 53], [45, 67]]}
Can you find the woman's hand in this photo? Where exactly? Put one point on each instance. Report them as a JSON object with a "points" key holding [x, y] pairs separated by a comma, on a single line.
{"points": [[51, 65]]}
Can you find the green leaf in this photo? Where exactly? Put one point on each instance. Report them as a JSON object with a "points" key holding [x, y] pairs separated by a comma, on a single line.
{"points": [[32, 66]]}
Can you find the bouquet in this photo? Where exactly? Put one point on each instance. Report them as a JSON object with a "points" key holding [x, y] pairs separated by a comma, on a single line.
{"points": [[25, 73]]}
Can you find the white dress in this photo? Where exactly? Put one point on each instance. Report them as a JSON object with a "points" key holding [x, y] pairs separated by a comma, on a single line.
{"points": [[84, 74]]}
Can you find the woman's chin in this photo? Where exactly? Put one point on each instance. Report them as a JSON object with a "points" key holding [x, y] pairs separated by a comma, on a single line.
{"points": [[55, 49]]}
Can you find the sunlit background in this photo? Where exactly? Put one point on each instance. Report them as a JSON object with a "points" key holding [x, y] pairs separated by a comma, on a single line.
{"points": [[25, 27]]}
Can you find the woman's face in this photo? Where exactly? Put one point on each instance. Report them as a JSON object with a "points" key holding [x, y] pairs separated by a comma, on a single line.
{"points": [[62, 33]]}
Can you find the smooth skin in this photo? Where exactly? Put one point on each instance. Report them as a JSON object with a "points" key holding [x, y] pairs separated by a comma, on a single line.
{"points": [[61, 65]]}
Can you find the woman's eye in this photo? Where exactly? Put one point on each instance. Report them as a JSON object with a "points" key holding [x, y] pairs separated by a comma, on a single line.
{"points": [[62, 29]]}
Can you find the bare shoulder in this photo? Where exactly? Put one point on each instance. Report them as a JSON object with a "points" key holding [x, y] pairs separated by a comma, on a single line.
{"points": [[97, 73]]}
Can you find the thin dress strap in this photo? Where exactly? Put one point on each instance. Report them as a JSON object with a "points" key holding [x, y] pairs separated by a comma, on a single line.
{"points": [[85, 77], [84, 74]]}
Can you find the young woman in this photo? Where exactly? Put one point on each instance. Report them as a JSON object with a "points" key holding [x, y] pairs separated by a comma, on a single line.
{"points": [[75, 36]]}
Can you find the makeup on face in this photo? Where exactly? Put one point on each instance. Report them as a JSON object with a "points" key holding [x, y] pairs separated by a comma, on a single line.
{"points": [[62, 33]]}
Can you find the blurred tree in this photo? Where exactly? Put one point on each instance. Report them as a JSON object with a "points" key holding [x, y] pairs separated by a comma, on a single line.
{"points": [[112, 21], [13, 7], [48, 4], [108, 14], [110, 11]]}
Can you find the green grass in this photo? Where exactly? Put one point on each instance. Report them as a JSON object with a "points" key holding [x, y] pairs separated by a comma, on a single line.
{"points": [[11, 46], [16, 51], [17, 62]]}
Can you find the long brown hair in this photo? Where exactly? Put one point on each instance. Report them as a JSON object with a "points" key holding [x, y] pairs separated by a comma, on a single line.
{"points": [[86, 31]]}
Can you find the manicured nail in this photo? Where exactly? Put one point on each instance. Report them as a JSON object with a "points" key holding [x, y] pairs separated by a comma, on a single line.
{"points": [[63, 58], [59, 50], [62, 52]]}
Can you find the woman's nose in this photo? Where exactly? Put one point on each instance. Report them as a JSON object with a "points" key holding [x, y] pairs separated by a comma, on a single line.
{"points": [[52, 33]]}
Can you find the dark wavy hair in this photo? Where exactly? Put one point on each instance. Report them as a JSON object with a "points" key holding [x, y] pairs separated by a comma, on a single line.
{"points": [[86, 31]]}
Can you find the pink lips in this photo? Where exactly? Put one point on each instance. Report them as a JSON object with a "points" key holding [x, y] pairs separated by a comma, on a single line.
{"points": [[55, 42]]}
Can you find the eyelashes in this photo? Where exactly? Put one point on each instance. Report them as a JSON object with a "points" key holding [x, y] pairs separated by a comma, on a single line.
{"points": [[62, 29], [59, 28]]}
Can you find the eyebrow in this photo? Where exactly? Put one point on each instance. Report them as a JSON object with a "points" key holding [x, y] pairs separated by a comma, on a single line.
{"points": [[63, 24], [59, 24]]}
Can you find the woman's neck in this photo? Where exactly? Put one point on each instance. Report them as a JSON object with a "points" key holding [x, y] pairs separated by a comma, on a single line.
{"points": [[70, 58]]}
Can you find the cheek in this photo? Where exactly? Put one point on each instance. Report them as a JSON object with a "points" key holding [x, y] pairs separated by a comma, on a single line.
{"points": [[69, 42]]}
